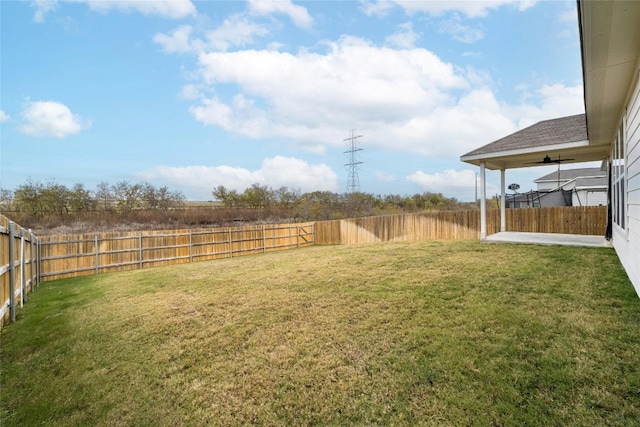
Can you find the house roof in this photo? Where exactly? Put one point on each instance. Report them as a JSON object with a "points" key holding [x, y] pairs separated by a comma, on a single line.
{"points": [[563, 138], [548, 132], [569, 174], [593, 182]]}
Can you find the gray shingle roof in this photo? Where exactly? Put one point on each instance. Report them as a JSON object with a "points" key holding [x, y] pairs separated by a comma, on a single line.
{"points": [[592, 182], [568, 174], [547, 132]]}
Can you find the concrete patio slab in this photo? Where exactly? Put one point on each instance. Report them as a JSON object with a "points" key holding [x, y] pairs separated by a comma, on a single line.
{"points": [[548, 239]]}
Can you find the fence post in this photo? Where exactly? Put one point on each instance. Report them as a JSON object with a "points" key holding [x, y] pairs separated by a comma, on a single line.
{"points": [[230, 245], [190, 247], [95, 244], [31, 260], [12, 273], [140, 246], [297, 236], [39, 262], [38, 275], [23, 279], [264, 239], [290, 237]]}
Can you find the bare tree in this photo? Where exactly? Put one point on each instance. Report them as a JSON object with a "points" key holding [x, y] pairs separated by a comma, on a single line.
{"points": [[127, 196], [104, 196]]}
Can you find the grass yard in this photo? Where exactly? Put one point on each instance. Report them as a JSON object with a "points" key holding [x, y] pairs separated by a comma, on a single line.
{"points": [[427, 333]]}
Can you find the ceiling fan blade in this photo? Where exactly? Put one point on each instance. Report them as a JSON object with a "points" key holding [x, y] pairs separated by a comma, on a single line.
{"points": [[548, 161]]}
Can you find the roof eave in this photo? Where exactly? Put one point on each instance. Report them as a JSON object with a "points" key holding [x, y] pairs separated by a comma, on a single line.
{"points": [[522, 156]]}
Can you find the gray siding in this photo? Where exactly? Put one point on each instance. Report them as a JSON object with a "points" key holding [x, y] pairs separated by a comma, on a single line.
{"points": [[627, 241]]}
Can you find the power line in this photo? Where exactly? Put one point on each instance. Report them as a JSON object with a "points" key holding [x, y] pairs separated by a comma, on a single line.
{"points": [[353, 181]]}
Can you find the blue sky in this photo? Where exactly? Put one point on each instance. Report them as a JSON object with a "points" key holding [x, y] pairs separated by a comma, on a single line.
{"points": [[196, 94]]}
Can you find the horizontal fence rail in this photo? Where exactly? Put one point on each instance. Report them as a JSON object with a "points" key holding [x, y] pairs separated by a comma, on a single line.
{"points": [[69, 256], [19, 267]]}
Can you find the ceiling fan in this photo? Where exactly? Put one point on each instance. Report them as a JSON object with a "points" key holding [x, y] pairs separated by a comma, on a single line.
{"points": [[548, 160]]}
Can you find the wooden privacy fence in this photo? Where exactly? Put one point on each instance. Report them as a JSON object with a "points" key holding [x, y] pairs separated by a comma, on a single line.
{"points": [[401, 227], [78, 255], [587, 220], [590, 220], [19, 267]]}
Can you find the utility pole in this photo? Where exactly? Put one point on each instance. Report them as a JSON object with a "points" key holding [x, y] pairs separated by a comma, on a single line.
{"points": [[353, 181]]}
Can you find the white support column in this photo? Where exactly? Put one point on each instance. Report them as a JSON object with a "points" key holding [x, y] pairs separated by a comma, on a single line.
{"points": [[503, 217], [483, 203]]}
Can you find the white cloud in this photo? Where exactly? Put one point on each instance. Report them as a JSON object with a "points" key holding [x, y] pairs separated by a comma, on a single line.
{"points": [[298, 14], [173, 9], [421, 105], [42, 7], [459, 184], [314, 97], [275, 172], [470, 8], [404, 38], [235, 31], [4, 117], [376, 8], [51, 119], [550, 101], [461, 32], [179, 40]]}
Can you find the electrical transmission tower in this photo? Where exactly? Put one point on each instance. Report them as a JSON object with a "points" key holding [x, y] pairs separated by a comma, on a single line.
{"points": [[353, 182]]}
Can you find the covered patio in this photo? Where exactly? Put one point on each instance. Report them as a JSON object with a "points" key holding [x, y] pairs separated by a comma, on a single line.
{"points": [[545, 143]]}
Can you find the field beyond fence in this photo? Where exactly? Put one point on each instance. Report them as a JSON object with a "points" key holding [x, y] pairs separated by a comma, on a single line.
{"points": [[25, 259]]}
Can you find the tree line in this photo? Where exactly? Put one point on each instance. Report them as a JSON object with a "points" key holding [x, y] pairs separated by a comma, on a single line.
{"points": [[321, 205], [124, 205], [37, 199]]}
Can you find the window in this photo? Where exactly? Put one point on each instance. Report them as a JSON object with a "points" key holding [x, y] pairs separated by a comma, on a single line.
{"points": [[618, 179]]}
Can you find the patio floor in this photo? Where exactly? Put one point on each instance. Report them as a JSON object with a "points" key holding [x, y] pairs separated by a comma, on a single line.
{"points": [[548, 239]]}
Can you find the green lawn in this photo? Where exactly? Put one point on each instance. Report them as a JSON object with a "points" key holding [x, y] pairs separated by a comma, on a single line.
{"points": [[427, 333]]}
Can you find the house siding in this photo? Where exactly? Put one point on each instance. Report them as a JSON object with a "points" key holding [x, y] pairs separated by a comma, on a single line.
{"points": [[627, 241], [590, 198]]}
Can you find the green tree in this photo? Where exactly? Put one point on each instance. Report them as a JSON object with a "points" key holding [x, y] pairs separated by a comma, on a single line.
{"points": [[55, 199], [27, 198], [258, 196], [80, 199], [286, 197], [229, 198]]}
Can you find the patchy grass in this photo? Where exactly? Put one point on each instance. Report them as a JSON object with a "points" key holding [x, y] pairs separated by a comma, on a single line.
{"points": [[428, 333]]}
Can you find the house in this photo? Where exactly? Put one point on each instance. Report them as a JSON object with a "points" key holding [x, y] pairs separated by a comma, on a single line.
{"points": [[587, 186], [609, 131], [565, 187], [537, 199]]}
